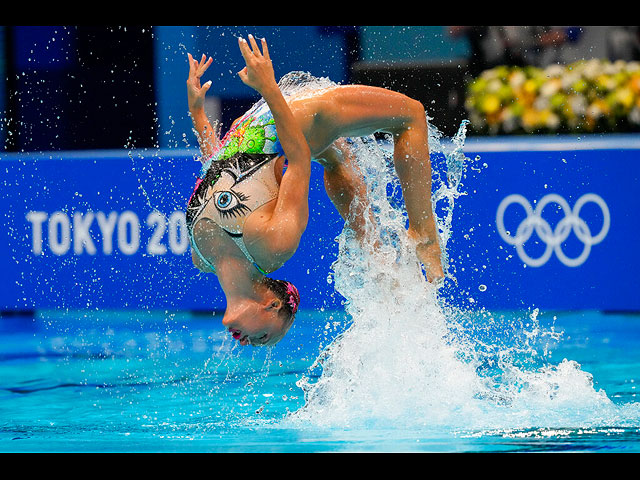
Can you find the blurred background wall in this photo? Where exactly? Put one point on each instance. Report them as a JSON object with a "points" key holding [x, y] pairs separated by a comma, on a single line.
{"points": [[95, 126], [79, 87]]}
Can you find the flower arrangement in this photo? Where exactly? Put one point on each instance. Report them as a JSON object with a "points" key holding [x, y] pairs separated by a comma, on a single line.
{"points": [[585, 96]]}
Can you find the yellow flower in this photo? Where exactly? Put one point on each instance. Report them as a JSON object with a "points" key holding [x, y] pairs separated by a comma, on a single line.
{"points": [[634, 82], [530, 118], [491, 104], [530, 86], [478, 85], [624, 97], [579, 95], [605, 82], [505, 93], [579, 86]]}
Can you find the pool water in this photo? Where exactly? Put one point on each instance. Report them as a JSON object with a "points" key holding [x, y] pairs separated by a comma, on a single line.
{"points": [[397, 370], [165, 382]]}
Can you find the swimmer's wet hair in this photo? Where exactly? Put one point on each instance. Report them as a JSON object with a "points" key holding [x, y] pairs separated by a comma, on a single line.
{"points": [[289, 296]]}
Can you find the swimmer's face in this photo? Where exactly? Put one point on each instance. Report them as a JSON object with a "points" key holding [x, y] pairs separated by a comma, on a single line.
{"points": [[256, 323]]}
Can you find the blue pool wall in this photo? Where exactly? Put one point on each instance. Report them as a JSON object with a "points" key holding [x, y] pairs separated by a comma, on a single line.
{"points": [[103, 229]]}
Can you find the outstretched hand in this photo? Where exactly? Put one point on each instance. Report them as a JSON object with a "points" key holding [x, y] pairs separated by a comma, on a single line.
{"points": [[195, 91], [258, 73]]}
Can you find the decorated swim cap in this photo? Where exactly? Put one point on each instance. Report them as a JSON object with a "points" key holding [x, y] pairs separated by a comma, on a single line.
{"points": [[294, 297]]}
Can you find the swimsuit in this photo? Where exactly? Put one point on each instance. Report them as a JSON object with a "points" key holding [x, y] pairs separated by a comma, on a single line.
{"points": [[238, 178]]}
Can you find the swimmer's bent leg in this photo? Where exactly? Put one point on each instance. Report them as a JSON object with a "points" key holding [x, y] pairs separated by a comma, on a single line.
{"points": [[358, 110], [345, 187]]}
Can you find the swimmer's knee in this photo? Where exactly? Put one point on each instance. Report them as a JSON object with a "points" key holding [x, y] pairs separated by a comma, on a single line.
{"points": [[417, 111], [413, 117]]}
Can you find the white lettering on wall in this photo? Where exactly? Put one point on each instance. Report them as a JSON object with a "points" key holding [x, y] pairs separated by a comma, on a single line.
{"points": [[158, 222], [107, 225], [81, 236], [36, 219], [84, 230], [128, 232], [178, 238], [59, 233]]}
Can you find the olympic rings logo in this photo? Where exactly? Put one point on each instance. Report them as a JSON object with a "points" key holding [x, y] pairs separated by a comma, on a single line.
{"points": [[553, 238]]}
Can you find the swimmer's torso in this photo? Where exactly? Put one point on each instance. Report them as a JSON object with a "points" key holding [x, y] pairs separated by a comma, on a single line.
{"points": [[237, 179]]}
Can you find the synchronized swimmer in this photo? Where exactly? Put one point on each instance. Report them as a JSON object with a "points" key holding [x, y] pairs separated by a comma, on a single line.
{"points": [[248, 212]]}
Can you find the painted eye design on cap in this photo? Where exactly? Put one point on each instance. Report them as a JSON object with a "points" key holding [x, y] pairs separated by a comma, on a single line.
{"points": [[229, 203], [225, 200]]}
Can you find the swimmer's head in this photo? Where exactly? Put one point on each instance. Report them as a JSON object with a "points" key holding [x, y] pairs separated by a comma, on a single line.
{"points": [[265, 320]]}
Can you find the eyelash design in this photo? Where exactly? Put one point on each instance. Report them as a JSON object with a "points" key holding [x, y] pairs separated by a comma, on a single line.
{"points": [[236, 211], [228, 203]]}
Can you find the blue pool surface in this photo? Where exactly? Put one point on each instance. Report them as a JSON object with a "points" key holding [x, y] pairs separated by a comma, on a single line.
{"points": [[176, 382]]}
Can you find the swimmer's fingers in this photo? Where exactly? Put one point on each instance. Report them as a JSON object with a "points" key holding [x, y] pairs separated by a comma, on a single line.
{"points": [[204, 65], [254, 46], [243, 75], [245, 50], [197, 68], [265, 50], [258, 72], [256, 49], [195, 91], [192, 67]]}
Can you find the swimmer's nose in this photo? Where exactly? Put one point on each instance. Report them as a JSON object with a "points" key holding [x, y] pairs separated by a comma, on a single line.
{"points": [[227, 322]]}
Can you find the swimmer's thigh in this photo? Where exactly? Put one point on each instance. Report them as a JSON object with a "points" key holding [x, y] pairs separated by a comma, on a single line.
{"points": [[353, 111]]}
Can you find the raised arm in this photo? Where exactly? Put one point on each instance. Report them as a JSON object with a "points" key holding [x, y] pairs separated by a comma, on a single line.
{"points": [[291, 212], [207, 136]]}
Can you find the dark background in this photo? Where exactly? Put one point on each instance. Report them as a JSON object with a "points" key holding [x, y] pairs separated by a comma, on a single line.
{"points": [[114, 87]]}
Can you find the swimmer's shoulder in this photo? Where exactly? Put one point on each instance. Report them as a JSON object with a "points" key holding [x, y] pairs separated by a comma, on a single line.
{"points": [[270, 242]]}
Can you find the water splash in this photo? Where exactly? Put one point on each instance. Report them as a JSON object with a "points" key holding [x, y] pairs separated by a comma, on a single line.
{"points": [[407, 360], [389, 364]]}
